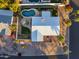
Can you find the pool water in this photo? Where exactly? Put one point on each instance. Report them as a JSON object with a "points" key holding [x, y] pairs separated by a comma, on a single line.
{"points": [[28, 13]]}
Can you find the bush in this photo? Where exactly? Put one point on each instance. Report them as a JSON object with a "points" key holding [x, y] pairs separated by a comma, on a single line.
{"points": [[76, 20]]}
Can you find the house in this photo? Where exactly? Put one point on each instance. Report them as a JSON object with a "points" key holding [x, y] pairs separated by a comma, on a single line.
{"points": [[6, 18], [46, 25]]}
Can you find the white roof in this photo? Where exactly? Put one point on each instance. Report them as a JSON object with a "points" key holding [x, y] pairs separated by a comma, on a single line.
{"points": [[46, 25], [46, 30]]}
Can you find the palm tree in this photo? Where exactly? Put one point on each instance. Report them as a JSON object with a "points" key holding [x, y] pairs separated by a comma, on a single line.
{"points": [[11, 4], [14, 7], [3, 3], [17, 1], [13, 27], [77, 12], [77, 19], [61, 38], [65, 1], [68, 23], [68, 8]]}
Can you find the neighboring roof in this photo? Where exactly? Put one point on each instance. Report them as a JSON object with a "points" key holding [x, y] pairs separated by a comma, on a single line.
{"points": [[34, 1], [41, 1], [5, 19], [6, 12], [6, 16]]}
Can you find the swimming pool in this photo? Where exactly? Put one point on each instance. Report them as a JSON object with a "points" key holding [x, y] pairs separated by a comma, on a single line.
{"points": [[28, 13]]}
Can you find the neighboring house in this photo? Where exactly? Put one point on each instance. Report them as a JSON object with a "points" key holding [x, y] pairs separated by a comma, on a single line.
{"points": [[46, 25], [41, 1], [35, 1], [6, 18]]}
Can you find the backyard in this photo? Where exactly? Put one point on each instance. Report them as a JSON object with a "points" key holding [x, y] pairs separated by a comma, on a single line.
{"points": [[37, 11]]}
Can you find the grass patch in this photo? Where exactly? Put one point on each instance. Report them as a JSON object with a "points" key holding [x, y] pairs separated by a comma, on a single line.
{"points": [[25, 30]]}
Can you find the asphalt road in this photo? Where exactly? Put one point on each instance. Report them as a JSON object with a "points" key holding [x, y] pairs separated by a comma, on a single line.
{"points": [[74, 36]]}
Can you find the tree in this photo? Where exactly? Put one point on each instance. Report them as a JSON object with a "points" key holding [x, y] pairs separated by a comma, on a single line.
{"points": [[77, 19], [3, 3], [68, 23], [77, 12], [13, 27], [68, 8], [11, 4], [14, 7], [65, 1], [17, 1], [61, 38]]}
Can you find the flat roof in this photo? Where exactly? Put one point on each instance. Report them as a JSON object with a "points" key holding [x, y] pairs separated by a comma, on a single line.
{"points": [[45, 25], [5, 19], [6, 12], [39, 21], [6, 16]]}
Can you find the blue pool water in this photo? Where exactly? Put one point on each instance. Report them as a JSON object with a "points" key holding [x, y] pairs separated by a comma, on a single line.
{"points": [[29, 13]]}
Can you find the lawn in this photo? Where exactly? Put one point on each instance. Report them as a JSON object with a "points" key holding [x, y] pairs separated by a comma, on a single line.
{"points": [[25, 30]]}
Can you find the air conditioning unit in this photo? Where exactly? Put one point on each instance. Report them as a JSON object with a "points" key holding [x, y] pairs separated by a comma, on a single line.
{"points": [[46, 1]]}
